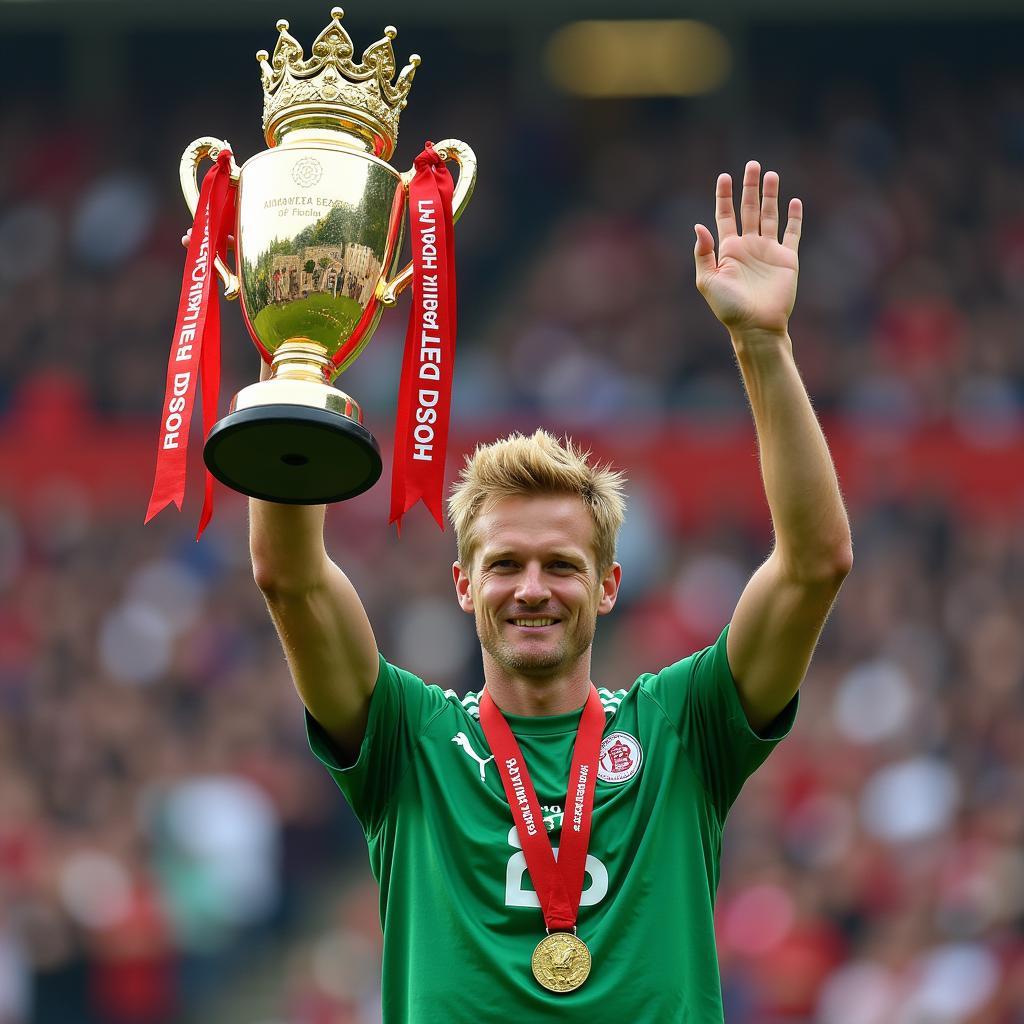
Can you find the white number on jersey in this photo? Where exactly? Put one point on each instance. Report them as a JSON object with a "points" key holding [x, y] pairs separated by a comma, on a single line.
{"points": [[594, 890]]}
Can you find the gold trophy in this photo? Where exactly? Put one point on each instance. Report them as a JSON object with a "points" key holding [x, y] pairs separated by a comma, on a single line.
{"points": [[317, 241]]}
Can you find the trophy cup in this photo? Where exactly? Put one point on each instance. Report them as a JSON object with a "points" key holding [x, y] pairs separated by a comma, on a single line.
{"points": [[318, 235]]}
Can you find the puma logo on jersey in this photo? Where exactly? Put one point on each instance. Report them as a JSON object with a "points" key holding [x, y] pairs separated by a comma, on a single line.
{"points": [[462, 740]]}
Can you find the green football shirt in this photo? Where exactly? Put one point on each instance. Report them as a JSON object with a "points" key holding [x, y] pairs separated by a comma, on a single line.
{"points": [[459, 913]]}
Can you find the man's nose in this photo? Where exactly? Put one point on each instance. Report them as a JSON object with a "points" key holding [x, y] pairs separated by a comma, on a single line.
{"points": [[532, 588]]}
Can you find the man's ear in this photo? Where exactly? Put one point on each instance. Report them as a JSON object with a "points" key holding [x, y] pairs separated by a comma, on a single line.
{"points": [[462, 589], [609, 589]]}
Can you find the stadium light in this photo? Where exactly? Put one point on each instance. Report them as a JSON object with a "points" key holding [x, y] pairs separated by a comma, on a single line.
{"points": [[605, 59]]}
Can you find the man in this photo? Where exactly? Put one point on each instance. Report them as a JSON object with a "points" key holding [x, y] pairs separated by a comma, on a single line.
{"points": [[464, 803]]}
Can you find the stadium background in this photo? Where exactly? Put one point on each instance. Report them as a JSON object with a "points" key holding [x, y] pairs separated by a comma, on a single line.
{"points": [[168, 849]]}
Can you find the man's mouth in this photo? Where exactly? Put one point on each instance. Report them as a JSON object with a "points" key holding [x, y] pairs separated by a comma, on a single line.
{"points": [[538, 623]]}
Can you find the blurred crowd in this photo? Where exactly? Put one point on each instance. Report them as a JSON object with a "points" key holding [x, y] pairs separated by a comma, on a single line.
{"points": [[163, 829]]}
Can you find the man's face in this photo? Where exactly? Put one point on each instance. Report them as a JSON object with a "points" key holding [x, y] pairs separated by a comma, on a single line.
{"points": [[534, 586]]}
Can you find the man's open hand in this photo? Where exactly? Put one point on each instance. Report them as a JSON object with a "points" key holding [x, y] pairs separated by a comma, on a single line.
{"points": [[751, 286]]}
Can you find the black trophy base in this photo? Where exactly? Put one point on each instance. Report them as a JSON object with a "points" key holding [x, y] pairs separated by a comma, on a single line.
{"points": [[293, 454]]}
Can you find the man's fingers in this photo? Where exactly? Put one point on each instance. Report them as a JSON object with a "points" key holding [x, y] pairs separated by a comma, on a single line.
{"points": [[725, 215], [703, 252], [791, 240], [750, 206], [187, 237], [770, 206]]}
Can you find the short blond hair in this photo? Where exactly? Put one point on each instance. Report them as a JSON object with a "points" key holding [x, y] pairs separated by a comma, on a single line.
{"points": [[536, 465]]}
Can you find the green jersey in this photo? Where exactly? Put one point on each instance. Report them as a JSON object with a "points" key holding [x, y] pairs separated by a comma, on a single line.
{"points": [[459, 913]]}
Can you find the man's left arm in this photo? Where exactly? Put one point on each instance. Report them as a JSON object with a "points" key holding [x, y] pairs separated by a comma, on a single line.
{"points": [[751, 288]]}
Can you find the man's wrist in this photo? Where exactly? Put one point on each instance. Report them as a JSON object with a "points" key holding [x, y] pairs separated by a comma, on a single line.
{"points": [[757, 339]]}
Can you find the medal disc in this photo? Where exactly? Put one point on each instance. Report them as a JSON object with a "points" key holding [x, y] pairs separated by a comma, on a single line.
{"points": [[561, 962]]}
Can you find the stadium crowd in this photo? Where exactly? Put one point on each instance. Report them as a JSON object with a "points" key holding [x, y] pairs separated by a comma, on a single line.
{"points": [[161, 821]]}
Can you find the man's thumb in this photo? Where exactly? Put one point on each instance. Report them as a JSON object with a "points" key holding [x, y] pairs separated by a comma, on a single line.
{"points": [[704, 252]]}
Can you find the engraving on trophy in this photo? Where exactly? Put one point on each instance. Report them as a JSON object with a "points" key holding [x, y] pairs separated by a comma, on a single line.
{"points": [[307, 172]]}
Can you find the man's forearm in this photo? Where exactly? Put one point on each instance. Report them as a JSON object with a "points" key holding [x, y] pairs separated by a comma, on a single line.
{"points": [[812, 531], [286, 543], [326, 635]]}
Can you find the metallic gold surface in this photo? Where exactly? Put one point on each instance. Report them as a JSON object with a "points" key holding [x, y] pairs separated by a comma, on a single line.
{"points": [[300, 359], [188, 173], [561, 962], [319, 232], [315, 223], [297, 392], [321, 213], [362, 95], [300, 367]]}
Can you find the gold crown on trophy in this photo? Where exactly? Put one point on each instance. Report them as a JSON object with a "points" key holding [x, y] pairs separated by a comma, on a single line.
{"points": [[330, 89]]}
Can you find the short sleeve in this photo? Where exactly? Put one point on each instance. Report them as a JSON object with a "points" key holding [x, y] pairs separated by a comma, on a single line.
{"points": [[401, 707], [699, 696]]}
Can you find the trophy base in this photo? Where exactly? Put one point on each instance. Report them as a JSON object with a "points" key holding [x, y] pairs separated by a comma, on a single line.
{"points": [[293, 454]]}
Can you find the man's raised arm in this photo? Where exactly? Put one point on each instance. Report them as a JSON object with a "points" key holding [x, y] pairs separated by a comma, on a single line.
{"points": [[323, 626], [751, 288]]}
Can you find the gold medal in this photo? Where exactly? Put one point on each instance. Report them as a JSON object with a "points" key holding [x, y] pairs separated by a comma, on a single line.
{"points": [[561, 962]]}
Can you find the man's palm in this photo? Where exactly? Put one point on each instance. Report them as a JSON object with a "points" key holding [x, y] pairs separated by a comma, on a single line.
{"points": [[752, 283]]}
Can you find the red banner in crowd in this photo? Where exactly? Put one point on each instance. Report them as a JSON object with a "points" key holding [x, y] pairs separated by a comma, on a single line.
{"points": [[424, 396], [195, 346]]}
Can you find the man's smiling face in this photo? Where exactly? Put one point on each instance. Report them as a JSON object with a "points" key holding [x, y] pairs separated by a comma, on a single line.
{"points": [[534, 585]]}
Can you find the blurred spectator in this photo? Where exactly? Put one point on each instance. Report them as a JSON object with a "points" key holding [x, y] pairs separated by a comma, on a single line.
{"points": [[161, 821]]}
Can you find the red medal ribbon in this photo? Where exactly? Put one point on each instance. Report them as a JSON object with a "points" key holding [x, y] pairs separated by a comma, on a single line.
{"points": [[424, 394], [195, 346], [559, 883]]}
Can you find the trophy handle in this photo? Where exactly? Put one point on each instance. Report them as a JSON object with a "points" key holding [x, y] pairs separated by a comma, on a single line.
{"points": [[188, 171], [448, 149]]}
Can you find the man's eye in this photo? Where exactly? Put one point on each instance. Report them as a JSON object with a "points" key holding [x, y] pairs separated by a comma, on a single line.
{"points": [[564, 565], [502, 563]]}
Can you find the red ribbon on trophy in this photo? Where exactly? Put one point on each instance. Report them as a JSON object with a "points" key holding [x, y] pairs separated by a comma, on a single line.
{"points": [[195, 346], [424, 395]]}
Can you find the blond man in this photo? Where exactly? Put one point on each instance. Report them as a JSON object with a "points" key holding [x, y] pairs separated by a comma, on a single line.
{"points": [[548, 850]]}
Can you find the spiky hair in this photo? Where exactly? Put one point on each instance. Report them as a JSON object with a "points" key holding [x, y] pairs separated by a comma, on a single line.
{"points": [[536, 465]]}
